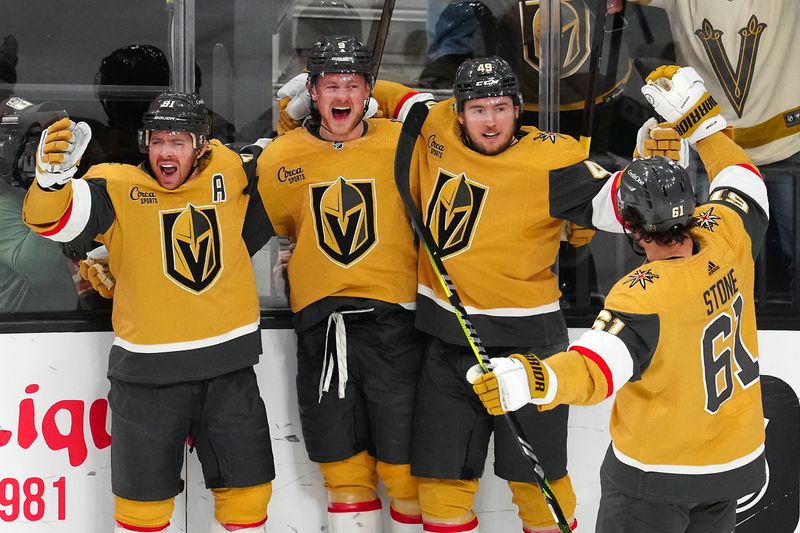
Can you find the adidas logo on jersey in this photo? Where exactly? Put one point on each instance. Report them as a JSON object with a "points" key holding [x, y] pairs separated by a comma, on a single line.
{"points": [[712, 268]]}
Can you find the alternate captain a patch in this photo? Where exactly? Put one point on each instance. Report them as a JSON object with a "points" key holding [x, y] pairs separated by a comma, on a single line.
{"points": [[454, 211], [345, 219], [192, 250]]}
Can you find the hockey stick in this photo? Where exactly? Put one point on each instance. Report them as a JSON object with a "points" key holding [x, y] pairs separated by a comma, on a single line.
{"points": [[402, 163], [380, 36], [591, 82]]}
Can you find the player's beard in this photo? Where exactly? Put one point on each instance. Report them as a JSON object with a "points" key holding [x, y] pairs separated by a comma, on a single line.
{"points": [[483, 148]]}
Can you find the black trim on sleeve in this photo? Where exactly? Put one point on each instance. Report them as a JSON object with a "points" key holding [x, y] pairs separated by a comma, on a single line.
{"points": [[572, 190], [640, 335], [755, 220], [102, 213]]}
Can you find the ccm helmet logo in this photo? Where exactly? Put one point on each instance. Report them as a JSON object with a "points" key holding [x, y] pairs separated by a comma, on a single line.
{"points": [[485, 83]]}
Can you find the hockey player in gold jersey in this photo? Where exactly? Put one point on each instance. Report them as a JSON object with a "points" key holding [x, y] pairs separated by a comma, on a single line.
{"points": [[676, 341], [330, 187], [185, 316], [494, 196]]}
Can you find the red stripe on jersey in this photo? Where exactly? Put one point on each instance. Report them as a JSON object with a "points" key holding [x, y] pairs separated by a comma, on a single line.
{"points": [[451, 528], [237, 527], [61, 223], [600, 362], [145, 529], [751, 168], [617, 177], [402, 518], [403, 100], [354, 507]]}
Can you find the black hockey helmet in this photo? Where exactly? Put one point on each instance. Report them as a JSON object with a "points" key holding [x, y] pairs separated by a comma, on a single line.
{"points": [[21, 125], [484, 77], [339, 54], [660, 192], [176, 112]]}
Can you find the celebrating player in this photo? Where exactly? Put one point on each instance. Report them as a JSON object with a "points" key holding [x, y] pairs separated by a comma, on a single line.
{"points": [[494, 197], [186, 314], [676, 341], [330, 187]]}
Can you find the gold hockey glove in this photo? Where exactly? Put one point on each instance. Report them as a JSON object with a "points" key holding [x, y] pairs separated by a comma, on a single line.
{"points": [[514, 382], [579, 236], [94, 269], [661, 139], [61, 147]]}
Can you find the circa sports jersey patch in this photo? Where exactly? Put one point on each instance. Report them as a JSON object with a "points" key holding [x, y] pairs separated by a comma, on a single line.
{"points": [[436, 149], [454, 211], [574, 38], [707, 219], [345, 219], [192, 250], [143, 197], [641, 278]]}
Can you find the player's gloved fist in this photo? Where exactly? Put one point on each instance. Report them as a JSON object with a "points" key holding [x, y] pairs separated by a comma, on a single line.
{"points": [[579, 236], [94, 269], [661, 139], [298, 105], [679, 95], [61, 147], [513, 382]]}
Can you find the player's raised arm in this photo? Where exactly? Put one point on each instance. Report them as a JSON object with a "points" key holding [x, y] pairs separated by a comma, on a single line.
{"points": [[58, 207]]}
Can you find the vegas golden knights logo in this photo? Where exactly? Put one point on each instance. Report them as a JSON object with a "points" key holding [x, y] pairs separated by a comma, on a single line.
{"points": [[454, 211], [344, 219], [192, 247], [736, 82], [575, 32]]}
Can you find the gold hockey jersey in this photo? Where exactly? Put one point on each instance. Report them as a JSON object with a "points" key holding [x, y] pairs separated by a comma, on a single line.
{"points": [[339, 202], [497, 221], [677, 341], [745, 50], [185, 302]]}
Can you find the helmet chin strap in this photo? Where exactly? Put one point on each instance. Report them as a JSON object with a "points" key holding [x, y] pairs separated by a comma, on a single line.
{"points": [[637, 249]]}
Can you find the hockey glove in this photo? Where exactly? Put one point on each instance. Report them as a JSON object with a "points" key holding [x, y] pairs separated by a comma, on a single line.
{"points": [[661, 139], [579, 236], [298, 105], [513, 382], [679, 95], [94, 269], [294, 102], [61, 147]]}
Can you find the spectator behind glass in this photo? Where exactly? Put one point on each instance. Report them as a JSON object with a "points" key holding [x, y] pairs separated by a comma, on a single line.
{"points": [[8, 65], [745, 53], [34, 274], [139, 66]]}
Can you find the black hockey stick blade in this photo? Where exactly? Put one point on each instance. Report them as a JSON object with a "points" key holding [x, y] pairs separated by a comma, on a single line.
{"points": [[595, 57], [380, 36], [412, 126]]}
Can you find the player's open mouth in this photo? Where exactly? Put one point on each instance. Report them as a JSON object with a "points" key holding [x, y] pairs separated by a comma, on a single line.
{"points": [[168, 169], [340, 113], [491, 135]]}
